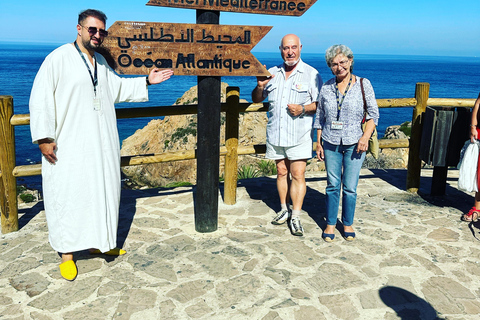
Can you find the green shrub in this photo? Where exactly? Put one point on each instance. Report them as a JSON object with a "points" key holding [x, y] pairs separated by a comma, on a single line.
{"points": [[26, 197], [21, 188], [178, 184], [248, 172], [406, 128], [182, 133], [166, 142], [267, 167]]}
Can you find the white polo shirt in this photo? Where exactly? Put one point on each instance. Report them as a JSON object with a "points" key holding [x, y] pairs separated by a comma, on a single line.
{"points": [[301, 87]]}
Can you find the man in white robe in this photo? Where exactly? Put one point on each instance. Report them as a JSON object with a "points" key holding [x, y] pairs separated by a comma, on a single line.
{"points": [[72, 118]]}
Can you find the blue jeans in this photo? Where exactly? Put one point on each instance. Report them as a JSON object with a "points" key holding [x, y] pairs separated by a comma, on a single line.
{"points": [[338, 157]]}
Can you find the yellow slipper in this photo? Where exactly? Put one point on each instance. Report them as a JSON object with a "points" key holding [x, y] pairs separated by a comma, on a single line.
{"points": [[113, 252], [68, 270]]}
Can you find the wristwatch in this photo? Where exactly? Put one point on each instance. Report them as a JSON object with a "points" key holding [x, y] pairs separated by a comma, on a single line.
{"points": [[303, 111], [148, 82]]}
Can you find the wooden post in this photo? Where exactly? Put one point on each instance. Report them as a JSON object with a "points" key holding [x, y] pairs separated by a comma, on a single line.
{"points": [[231, 143], [208, 143], [439, 181], [8, 183], [414, 163]]}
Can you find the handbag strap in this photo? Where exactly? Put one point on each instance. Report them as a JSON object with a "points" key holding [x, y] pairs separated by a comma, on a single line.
{"points": [[364, 101]]}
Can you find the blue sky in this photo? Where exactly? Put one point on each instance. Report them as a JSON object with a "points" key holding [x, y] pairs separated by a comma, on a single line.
{"points": [[412, 27]]}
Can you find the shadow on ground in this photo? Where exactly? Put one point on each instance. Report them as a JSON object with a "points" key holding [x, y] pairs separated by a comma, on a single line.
{"points": [[26, 215], [407, 305], [128, 201], [453, 197], [265, 189]]}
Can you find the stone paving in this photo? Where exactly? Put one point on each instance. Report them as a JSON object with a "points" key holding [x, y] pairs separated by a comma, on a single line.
{"points": [[412, 259]]}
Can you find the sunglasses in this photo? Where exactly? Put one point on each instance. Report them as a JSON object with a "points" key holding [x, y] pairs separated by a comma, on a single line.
{"points": [[93, 31]]}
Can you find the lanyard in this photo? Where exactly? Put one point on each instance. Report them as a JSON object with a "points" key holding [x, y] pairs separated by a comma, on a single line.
{"points": [[94, 77], [337, 93]]}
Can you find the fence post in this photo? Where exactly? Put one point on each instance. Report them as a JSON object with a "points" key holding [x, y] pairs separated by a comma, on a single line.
{"points": [[231, 143], [414, 163], [8, 183]]}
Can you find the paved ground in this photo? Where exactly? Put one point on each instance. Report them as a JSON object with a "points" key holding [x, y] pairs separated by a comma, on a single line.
{"points": [[413, 259]]}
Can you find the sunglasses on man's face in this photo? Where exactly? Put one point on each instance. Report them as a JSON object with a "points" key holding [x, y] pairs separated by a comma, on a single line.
{"points": [[93, 31]]}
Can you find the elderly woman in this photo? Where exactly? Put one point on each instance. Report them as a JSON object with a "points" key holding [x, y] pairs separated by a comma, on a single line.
{"points": [[340, 139]]}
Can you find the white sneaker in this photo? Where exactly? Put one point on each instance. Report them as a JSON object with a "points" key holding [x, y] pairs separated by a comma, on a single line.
{"points": [[296, 227], [281, 217]]}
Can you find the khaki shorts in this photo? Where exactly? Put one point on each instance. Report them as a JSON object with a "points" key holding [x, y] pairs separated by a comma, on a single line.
{"points": [[299, 152]]}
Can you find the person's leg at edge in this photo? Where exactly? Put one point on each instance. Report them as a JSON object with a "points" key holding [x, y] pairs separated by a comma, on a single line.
{"points": [[352, 164], [477, 200], [477, 194], [333, 167], [283, 182], [473, 214], [298, 187]]}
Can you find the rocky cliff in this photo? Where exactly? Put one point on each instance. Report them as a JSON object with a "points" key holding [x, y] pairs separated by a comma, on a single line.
{"points": [[178, 133]]}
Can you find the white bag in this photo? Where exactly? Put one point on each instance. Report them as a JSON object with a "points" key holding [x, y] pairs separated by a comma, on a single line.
{"points": [[467, 177]]}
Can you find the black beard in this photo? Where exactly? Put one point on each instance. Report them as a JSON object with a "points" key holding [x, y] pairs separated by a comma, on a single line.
{"points": [[89, 46]]}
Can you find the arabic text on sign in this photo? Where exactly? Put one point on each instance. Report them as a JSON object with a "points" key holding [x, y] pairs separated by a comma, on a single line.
{"points": [[185, 36]]}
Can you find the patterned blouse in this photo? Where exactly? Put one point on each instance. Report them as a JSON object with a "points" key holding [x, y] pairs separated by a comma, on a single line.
{"points": [[351, 113]]}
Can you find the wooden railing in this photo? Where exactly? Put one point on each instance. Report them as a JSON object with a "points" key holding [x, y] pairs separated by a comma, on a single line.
{"points": [[232, 107]]}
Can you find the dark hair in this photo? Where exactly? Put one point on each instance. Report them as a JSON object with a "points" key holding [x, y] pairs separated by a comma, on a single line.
{"points": [[92, 13]]}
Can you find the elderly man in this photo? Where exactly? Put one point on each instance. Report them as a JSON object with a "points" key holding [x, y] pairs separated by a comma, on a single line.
{"points": [[292, 92], [73, 120]]}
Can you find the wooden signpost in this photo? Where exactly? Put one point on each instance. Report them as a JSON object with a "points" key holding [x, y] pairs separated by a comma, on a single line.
{"points": [[188, 49], [278, 7], [205, 49]]}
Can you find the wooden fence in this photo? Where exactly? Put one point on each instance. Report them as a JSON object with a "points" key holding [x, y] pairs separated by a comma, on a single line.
{"points": [[232, 107]]}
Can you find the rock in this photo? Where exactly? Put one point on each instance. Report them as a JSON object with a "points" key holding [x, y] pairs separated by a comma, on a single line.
{"points": [[272, 315], [446, 294], [32, 283], [178, 133], [390, 158], [198, 310], [64, 296], [393, 132], [235, 290], [444, 234], [134, 301], [339, 305], [190, 290]]}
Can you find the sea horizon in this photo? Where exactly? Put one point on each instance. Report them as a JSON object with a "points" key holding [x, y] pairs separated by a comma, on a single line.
{"points": [[392, 77], [305, 51]]}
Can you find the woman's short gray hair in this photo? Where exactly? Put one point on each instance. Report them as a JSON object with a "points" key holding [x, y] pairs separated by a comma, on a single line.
{"points": [[335, 50]]}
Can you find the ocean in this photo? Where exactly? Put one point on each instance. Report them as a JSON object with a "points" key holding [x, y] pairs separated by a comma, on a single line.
{"points": [[392, 76]]}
